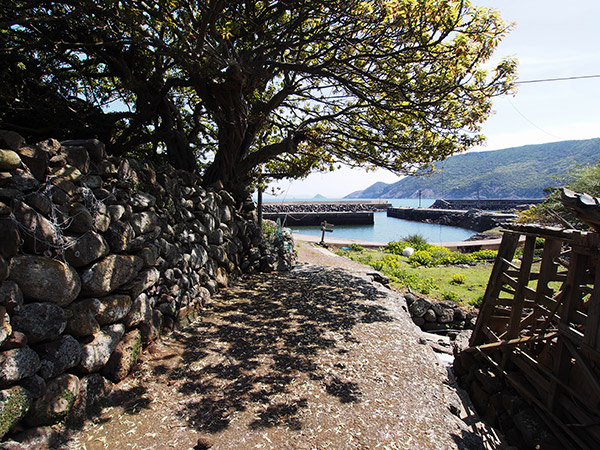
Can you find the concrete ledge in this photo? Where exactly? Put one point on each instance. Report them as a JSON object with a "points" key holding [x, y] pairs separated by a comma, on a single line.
{"points": [[315, 218]]}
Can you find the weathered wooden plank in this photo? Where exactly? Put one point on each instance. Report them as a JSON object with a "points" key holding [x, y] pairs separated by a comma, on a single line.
{"points": [[531, 369], [490, 334], [578, 339], [532, 398], [509, 263], [511, 342], [592, 325], [541, 377], [583, 363], [517, 309], [562, 363], [505, 254], [509, 291], [507, 279], [515, 284]]}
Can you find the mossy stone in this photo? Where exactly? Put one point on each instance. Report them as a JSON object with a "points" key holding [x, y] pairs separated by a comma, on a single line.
{"points": [[14, 404]]}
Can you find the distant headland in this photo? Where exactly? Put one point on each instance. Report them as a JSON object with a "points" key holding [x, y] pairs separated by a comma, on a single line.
{"points": [[513, 173]]}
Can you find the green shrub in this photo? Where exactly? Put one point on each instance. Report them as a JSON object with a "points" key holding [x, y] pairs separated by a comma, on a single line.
{"points": [[417, 241], [477, 302], [454, 258], [421, 258], [269, 230], [438, 252], [356, 248], [458, 278], [413, 282], [386, 264], [452, 296], [396, 247], [484, 255]]}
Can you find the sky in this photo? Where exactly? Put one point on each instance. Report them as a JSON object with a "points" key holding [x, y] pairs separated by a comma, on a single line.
{"points": [[551, 39]]}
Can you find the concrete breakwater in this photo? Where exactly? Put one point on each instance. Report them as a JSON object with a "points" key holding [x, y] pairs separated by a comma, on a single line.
{"points": [[313, 213], [486, 204], [472, 219], [361, 213], [316, 218], [329, 206]]}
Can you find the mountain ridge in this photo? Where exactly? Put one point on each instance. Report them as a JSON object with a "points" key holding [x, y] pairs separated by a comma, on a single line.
{"points": [[512, 173]]}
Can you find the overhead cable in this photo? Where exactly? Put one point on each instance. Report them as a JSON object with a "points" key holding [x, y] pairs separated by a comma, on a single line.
{"points": [[545, 80]]}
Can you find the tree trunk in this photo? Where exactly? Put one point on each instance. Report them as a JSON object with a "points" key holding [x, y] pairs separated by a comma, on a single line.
{"points": [[179, 152]]}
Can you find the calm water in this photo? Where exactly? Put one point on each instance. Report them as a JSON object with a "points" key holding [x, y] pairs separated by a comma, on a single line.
{"points": [[388, 229]]}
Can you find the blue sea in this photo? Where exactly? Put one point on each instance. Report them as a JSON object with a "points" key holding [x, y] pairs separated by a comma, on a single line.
{"points": [[387, 229]]}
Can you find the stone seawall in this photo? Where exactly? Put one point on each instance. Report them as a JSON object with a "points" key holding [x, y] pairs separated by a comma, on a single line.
{"points": [[487, 204], [99, 256], [472, 220], [340, 206], [334, 213], [316, 218]]}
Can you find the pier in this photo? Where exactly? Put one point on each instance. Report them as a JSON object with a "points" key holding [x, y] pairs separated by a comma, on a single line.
{"points": [[351, 212], [487, 204], [290, 219], [477, 215], [469, 219]]}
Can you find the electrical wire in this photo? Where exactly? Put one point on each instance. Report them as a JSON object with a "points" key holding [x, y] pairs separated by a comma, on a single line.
{"points": [[546, 80], [533, 124]]}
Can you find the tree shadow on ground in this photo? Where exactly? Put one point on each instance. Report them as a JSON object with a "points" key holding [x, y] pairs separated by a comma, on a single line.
{"points": [[263, 333], [253, 341]]}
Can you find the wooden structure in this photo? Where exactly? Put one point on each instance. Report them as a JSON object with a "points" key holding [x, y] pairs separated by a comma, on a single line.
{"points": [[539, 327]]}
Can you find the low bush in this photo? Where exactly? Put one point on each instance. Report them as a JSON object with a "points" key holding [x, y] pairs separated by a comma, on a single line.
{"points": [[452, 296], [396, 247], [388, 263], [421, 258], [438, 256], [458, 278], [269, 230], [417, 241], [484, 255], [455, 258], [423, 285], [477, 302], [357, 248]]}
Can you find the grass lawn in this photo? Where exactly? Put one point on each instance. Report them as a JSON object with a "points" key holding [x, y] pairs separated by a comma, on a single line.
{"points": [[463, 284]]}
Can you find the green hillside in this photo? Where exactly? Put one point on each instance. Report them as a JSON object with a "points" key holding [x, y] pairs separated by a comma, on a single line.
{"points": [[519, 172]]}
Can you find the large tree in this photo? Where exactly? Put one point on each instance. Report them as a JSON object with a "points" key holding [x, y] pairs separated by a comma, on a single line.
{"points": [[235, 88]]}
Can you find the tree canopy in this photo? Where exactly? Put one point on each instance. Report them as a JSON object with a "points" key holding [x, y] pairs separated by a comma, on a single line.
{"points": [[238, 88]]}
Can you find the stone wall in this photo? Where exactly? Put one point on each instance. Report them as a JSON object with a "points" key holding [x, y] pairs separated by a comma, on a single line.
{"points": [[324, 207], [438, 316], [98, 257], [472, 220], [487, 204]]}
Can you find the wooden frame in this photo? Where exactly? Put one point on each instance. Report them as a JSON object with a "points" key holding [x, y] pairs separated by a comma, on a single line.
{"points": [[545, 325]]}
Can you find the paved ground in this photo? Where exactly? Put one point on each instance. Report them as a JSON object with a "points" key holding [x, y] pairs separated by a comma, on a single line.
{"points": [[317, 358]]}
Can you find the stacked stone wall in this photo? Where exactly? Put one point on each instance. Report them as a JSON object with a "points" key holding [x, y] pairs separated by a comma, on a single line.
{"points": [[99, 256], [439, 316]]}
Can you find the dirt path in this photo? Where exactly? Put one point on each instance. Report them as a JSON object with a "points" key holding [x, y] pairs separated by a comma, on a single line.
{"points": [[317, 358]]}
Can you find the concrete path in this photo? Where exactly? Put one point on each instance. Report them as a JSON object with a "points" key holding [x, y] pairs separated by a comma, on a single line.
{"points": [[316, 358]]}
